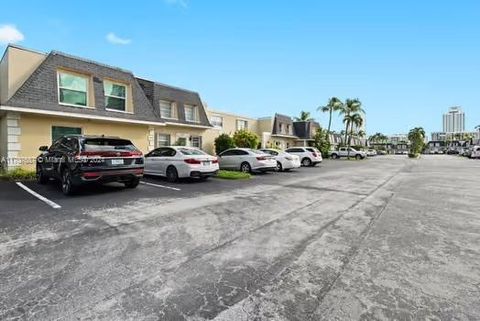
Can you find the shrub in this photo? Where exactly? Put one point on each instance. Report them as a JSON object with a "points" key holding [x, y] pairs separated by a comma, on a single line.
{"points": [[245, 139], [18, 174], [223, 142], [321, 142]]}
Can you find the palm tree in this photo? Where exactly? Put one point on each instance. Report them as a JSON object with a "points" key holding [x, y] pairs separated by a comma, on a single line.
{"points": [[304, 116], [350, 107], [352, 120], [334, 104]]}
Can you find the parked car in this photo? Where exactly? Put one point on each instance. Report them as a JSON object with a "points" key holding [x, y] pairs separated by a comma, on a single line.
{"points": [[371, 152], [467, 152], [246, 160], [452, 152], [285, 161], [382, 152], [309, 156], [475, 152], [77, 159], [346, 152], [174, 162]]}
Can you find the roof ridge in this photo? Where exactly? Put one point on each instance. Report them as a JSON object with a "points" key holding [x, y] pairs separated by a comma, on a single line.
{"points": [[56, 52]]}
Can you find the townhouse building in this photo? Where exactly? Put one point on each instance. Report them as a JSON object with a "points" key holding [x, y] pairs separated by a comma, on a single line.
{"points": [[46, 95]]}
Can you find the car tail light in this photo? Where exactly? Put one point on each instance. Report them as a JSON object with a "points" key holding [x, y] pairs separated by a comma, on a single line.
{"points": [[314, 154], [215, 161], [261, 158], [91, 175], [289, 158], [100, 154], [192, 161]]}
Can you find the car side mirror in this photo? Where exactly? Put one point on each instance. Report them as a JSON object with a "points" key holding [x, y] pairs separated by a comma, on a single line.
{"points": [[43, 148]]}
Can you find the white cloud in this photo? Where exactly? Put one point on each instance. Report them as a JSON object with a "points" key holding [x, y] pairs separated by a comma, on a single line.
{"points": [[181, 3], [10, 34], [116, 40]]}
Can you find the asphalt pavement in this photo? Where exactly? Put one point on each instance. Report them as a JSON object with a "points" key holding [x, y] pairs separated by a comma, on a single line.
{"points": [[387, 238]]}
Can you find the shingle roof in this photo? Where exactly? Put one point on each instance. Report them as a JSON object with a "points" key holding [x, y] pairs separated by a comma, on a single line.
{"points": [[156, 92], [40, 90], [282, 119]]}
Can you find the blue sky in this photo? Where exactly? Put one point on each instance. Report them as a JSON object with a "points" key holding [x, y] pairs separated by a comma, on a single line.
{"points": [[407, 61]]}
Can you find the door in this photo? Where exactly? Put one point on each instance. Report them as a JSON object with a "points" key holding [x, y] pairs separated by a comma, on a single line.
{"points": [[152, 161], [166, 158], [226, 159]]}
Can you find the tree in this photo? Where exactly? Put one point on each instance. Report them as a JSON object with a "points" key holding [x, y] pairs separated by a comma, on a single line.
{"points": [[416, 136], [223, 142], [322, 143], [245, 139], [378, 138], [334, 104], [353, 120], [304, 116], [351, 106]]}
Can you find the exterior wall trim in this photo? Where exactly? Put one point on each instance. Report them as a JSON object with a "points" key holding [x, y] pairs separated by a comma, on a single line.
{"points": [[187, 125], [75, 115]]}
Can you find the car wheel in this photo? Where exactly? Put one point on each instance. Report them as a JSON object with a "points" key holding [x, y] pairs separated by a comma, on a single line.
{"points": [[132, 183], [41, 178], [334, 156], [245, 167], [279, 167], [358, 156], [67, 185], [172, 174], [306, 162]]}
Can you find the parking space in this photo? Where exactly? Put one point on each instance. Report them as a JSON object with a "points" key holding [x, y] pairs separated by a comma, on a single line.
{"points": [[236, 249]]}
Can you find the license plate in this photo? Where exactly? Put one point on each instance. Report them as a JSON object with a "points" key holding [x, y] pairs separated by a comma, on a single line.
{"points": [[206, 163], [117, 161]]}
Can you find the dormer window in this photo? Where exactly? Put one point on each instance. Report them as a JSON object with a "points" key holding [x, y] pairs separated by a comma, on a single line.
{"points": [[168, 109], [72, 89], [191, 113], [115, 96]]}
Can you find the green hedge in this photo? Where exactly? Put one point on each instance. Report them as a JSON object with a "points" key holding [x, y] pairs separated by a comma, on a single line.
{"points": [[18, 174]]}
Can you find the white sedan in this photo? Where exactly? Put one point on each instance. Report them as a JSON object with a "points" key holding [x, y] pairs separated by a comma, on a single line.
{"points": [[285, 161], [176, 162], [246, 160]]}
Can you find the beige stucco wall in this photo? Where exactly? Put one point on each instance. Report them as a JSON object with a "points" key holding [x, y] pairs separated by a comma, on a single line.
{"points": [[17, 65], [37, 131], [177, 132], [229, 127], [4, 78]]}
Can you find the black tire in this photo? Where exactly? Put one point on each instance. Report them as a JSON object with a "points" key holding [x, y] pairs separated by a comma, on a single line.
{"points": [[133, 183], [67, 185], [245, 167], [358, 156], [172, 174], [279, 167], [334, 156], [41, 178], [306, 162]]}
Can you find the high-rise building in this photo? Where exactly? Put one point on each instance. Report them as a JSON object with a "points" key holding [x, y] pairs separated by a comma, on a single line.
{"points": [[454, 120]]}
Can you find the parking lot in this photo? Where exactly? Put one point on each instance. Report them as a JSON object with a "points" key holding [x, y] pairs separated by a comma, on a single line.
{"points": [[382, 238]]}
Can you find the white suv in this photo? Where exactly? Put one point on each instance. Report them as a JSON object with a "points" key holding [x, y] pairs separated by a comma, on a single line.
{"points": [[309, 156]]}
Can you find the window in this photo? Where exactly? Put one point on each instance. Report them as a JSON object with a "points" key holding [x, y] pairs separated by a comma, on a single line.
{"points": [[197, 141], [115, 96], [58, 132], [242, 124], [72, 89], [181, 141], [107, 144], [191, 151], [217, 121], [295, 150], [163, 140], [191, 113], [167, 109]]}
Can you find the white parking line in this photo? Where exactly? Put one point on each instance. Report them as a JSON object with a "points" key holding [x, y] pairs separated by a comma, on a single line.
{"points": [[161, 186], [40, 197]]}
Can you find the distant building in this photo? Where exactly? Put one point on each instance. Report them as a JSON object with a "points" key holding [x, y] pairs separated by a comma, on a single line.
{"points": [[454, 120], [443, 136]]}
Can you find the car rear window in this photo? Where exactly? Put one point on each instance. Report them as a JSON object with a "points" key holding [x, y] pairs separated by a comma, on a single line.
{"points": [[191, 151], [313, 150], [256, 151], [95, 144]]}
